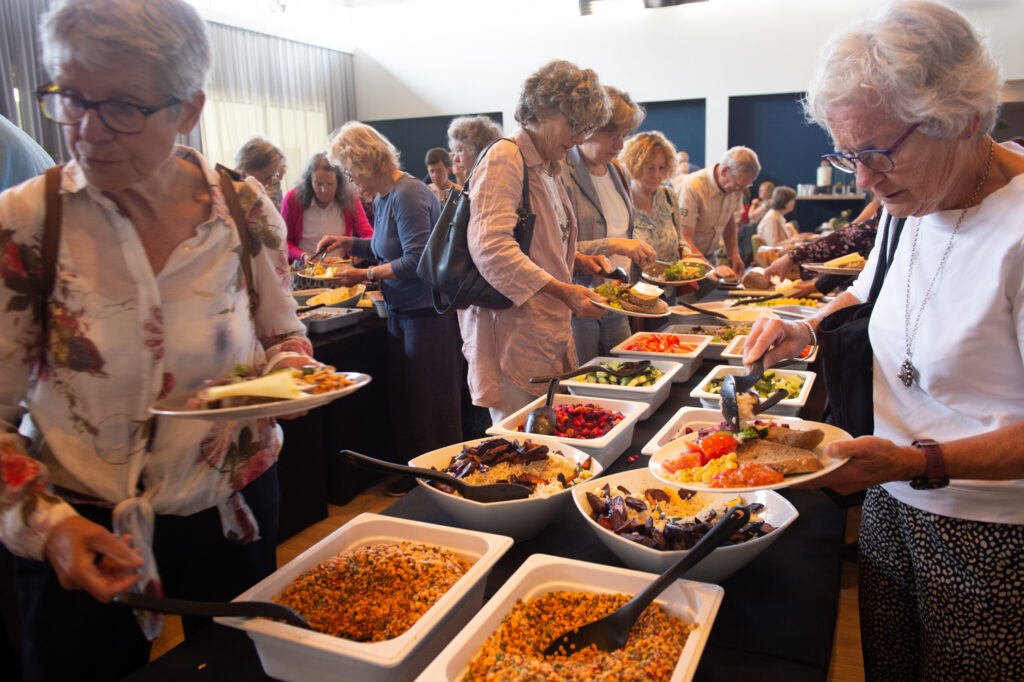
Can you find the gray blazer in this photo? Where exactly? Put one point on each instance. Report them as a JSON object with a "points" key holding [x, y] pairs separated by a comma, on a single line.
{"points": [[593, 228]]}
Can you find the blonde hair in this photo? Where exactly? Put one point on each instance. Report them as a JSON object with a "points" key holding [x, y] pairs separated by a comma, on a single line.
{"points": [[639, 148], [362, 150], [624, 114]]}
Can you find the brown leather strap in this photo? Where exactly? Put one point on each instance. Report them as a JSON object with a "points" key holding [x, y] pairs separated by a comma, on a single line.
{"points": [[51, 227], [227, 187]]}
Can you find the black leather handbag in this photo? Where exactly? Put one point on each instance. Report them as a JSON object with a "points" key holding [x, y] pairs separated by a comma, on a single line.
{"points": [[846, 355], [446, 264]]}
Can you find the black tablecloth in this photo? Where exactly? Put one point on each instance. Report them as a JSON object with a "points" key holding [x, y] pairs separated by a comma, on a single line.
{"points": [[776, 621]]}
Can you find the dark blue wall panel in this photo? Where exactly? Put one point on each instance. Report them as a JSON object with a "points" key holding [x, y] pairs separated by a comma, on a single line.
{"points": [[682, 122], [773, 126], [414, 136]]}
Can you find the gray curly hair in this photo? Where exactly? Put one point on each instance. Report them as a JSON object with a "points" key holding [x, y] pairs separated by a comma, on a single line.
{"points": [[103, 34], [562, 87], [919, 61], [475, 132]]}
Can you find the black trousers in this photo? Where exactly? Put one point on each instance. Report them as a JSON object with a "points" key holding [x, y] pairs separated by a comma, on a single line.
{"points": [[68, 635]]}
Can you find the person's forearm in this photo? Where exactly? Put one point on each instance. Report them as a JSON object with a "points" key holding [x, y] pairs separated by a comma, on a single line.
{"points": [[991, 456], [841, 301]]}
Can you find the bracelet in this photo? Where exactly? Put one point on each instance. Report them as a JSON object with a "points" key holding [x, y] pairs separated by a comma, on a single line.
{"points": [[369, 274], [810, 328]]}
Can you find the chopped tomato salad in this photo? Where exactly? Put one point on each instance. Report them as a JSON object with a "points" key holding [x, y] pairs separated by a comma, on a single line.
{"points": [[746, 475], [582, 421], [661, 343]]}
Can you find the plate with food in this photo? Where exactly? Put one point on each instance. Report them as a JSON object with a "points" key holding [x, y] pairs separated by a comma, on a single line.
{"points": [[341, 297], [640, 300], [681, 272], [245, 395], [850, 264], [764, 455]]}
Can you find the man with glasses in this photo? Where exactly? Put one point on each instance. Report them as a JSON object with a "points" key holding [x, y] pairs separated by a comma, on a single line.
{"points": [[708, 201]]}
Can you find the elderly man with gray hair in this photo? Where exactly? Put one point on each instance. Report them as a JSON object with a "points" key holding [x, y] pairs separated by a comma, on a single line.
{"points": [[708, 200]]}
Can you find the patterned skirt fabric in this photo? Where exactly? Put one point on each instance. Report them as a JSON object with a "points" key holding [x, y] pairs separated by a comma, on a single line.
{"points": [[940, 598]]}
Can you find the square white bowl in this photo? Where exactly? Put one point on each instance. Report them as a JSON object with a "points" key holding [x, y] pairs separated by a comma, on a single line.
{"points": [[654, 395], [714, 568], [695, 418], [788, 406], [689, 361], [714, 348], [605, 449], [337, 319], [733, 354], [303, 295], [294, 654], [743, 313], [519, 519], [691, 602]]}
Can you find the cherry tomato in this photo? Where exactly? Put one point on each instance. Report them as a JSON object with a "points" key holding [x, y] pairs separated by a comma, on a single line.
{"points": [[717, 444]]}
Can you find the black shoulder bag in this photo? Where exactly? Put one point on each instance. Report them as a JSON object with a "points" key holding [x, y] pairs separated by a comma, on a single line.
{"points": [[846, 355], [446, 264]]}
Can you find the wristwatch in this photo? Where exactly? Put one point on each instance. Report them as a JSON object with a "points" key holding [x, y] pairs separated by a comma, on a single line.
{"points": [[934, 476], [369, 274]]}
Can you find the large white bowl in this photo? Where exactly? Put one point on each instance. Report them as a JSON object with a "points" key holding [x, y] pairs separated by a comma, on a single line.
{"points": [[733, 354], [520, 519], [605, 449], [787, 406], [691, 602], [714, 568], [696, 418], [689, 361], [713, 351], [653, 395], [294, 654], [743, 313]]}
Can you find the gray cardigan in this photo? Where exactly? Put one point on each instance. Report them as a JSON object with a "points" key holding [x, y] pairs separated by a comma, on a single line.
{"points": [[593, 228]]}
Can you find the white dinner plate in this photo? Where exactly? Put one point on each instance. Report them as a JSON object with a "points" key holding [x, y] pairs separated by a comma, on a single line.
{"points": [[659, 269], [175, 405], [661, 304], [674, 448]]}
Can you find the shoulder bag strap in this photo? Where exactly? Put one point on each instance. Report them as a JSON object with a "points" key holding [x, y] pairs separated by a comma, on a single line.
{"points": [[50, 243], [227, 188], [524, 204], [886, 255]]}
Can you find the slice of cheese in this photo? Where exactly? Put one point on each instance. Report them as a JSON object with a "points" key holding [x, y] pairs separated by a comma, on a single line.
{"points": [[848, 259], [645, 289], [277, 385]]}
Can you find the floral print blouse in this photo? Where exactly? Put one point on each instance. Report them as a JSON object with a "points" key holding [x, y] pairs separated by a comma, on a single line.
{"points": [[120, 338], [660, 228]]}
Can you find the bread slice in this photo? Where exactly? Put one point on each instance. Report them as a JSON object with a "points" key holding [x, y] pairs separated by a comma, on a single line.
{"points": [[797, 438], [755, 280], [783, 458]]}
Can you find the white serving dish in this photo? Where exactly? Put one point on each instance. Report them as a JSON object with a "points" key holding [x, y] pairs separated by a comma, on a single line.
{"points": [[351, 300], [654, 395], [519, 519], [733, 354], [294, 654], [714, 349], [746, 313], [689, 361], [338, 318], [696, 418], [303, 295], [691, 602], [717, 566], [787, 406], [605, 449]]}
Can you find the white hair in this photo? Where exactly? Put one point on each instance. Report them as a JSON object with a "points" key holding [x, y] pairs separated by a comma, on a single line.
{"points": [[741, 161], [104, 34], [919, 61]]}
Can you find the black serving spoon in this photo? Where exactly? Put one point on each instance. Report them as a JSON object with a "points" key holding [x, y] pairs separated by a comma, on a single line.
{"points": [[612, 631], [491, 492], [187, 607]]}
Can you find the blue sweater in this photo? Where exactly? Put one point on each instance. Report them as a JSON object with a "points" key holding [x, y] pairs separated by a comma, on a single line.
{"points": [[403, 219]]}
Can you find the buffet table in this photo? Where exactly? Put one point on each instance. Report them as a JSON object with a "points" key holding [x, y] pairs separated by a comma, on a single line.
{"points": [[776, 621]]}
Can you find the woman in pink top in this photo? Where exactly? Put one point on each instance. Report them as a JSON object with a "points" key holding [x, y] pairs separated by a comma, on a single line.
{"points": [[320, 205], [559, 106]]}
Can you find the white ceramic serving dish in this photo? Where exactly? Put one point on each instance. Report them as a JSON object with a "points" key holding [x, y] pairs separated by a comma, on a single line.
{"points": [[294, 654], [735, 313], [692, 602], [714, 349], [717, 566], [788, 406], [519, 519], [690, 361], [350, 301], [654, 395], [605, 449], [337, 318], [733, 354], [303, 295], [696, 418]]}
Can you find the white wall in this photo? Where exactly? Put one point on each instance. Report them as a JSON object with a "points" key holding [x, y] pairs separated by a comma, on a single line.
{"points": [[445, 57]]}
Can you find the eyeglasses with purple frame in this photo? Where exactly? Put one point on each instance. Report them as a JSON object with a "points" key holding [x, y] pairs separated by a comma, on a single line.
{"points": [[879, 160]]}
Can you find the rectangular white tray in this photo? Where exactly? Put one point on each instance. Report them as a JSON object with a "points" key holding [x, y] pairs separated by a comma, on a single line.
{"points": [[654, 395], [789, 406], [689, 361]]}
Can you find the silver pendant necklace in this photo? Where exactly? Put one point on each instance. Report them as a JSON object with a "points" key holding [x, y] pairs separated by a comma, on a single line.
{"points": [[908, 373]]}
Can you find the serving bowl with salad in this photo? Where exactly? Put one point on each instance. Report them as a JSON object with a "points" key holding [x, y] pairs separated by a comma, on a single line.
{"points": [[796, 382], [652, 386], [685, 349]]}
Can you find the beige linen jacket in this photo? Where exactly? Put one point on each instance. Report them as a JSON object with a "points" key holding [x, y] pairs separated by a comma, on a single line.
{"points": [[533, 337]]}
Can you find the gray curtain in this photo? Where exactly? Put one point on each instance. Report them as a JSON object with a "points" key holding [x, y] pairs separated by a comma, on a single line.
{"points": [[22, 69]]}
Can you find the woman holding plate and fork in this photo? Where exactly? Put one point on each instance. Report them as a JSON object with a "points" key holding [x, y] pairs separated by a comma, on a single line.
{"points": [[910, 98]]}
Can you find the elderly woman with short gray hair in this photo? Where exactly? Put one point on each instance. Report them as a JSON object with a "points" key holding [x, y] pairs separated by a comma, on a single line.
{"points": [[260, 158], [147, 301], [559, 106], [467, 137], [910, 98]]}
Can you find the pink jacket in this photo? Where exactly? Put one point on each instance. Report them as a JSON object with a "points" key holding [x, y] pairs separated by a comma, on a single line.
{"points": [[533, 337], [292, 212]]}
